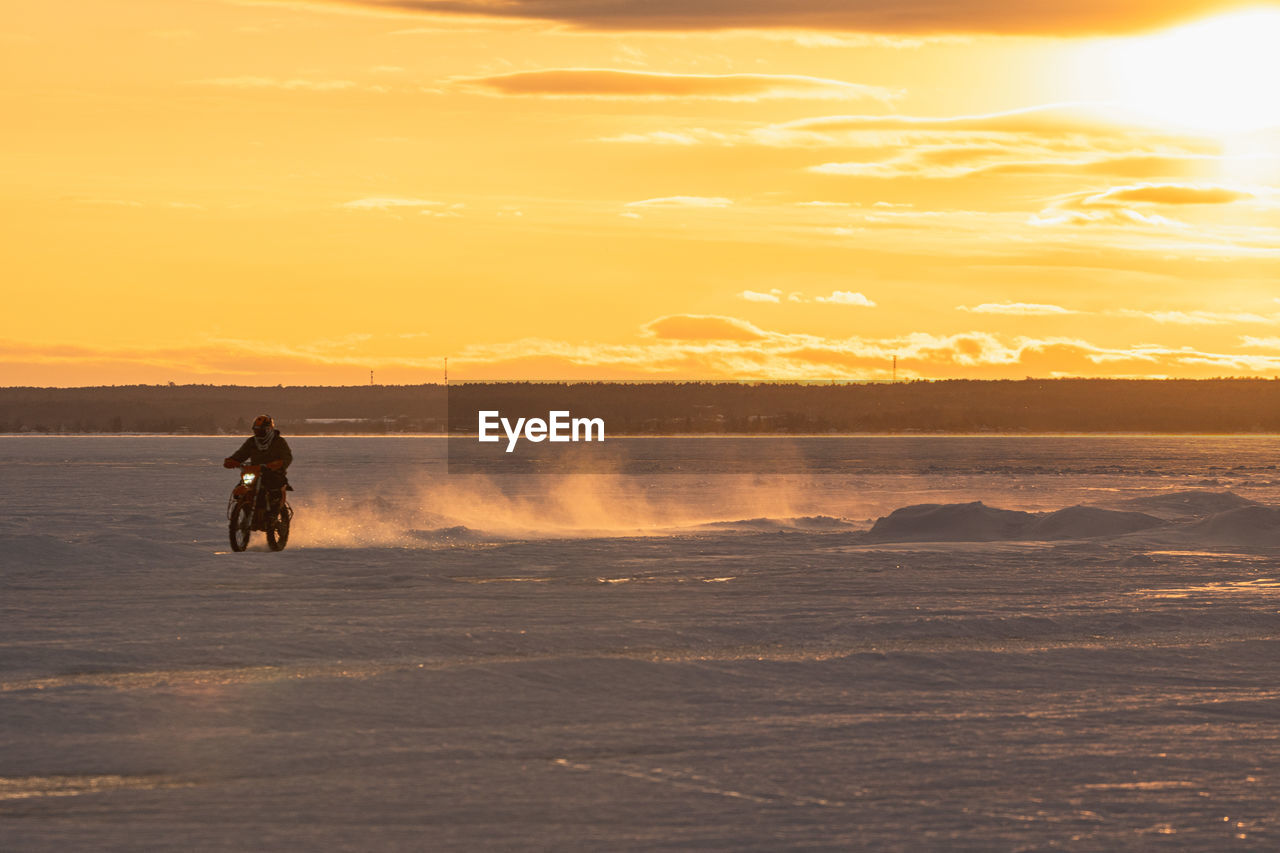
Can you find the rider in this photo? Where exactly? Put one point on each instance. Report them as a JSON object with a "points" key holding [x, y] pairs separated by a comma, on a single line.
{"points": [[266, 447]]}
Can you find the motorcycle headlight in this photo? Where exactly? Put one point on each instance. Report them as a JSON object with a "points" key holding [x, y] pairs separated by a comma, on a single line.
{"points": [[248, 479]]}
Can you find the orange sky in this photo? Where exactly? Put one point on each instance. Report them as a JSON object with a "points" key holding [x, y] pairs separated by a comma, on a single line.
{"points": [[299, 192]]}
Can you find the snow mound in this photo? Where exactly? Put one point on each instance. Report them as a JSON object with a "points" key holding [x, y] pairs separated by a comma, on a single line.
{"points": [[1246, 525], [969, 522], [1085, 522], [1196, 503], [977, 522], [814, 523]]}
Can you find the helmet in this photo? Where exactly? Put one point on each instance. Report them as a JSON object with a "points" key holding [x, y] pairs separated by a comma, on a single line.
{"points": [[263, 426]]}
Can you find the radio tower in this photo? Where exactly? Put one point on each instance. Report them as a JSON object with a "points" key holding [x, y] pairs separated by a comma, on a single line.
{"points": [[370, 377], [446, 370]]}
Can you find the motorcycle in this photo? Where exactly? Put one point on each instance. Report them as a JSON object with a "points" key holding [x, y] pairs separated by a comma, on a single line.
{"points": [[250, 508]]}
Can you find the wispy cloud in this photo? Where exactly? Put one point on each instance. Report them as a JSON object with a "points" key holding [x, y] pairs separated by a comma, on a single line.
{"points": [[719, 346], [912, 17], [1056, 118], [837, 297], [675, 346], [1052, 120], [1049, 140], [1135, 204], [1167, 194], [615, 83], [846, 297], [1018, 309], [703, 327], [678, 201], [964, 160], [390, 203], [1200, 318]]}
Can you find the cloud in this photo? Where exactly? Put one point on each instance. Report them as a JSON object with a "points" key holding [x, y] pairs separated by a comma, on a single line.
{"points": [[682, 201], [1114, 216], [1047, 140], [693, 346], [1018, 309], [1054, 118], [703, 327], [1134, 204], [613, 83], [1126, 165], [1199, 318], [959, 160], [1184, 318], [673, 347], [905, 17], [837, 297], [846, 297], [390, 203], [661, 137], [1167, 194]]}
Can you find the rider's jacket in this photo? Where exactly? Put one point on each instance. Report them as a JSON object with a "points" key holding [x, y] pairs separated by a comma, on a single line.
{"points": [[278, 449]]}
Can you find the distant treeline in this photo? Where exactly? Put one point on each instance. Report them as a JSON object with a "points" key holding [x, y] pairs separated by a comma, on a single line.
{"points": [[1032, 405], [211, 409]]}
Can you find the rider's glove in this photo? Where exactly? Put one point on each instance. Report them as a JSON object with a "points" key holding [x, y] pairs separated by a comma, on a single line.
{"points": [[274, 466], [230, 463]]}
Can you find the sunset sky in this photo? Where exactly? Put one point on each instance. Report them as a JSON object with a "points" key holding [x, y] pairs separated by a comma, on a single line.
{"points": [[301, 191]]}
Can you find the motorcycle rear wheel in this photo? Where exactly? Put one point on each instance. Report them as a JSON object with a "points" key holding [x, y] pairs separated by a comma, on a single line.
{"points": [[278, 529], [240, 526]]}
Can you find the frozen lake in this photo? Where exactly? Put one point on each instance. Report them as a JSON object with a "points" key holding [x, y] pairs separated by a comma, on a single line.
{"points": [[604, 662]]}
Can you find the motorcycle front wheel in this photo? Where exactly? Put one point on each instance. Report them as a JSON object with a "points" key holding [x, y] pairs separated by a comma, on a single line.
{"points": [[278, 529], [240, 526]]}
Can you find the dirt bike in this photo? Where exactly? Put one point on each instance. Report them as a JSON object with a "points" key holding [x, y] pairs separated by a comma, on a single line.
{"points": [[253, 507]]}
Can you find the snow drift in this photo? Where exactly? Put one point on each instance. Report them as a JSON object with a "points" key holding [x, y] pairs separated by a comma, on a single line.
{"points": [[1195, 503], [1246, 526], [967, 522], [1242, 522], [1085, 522]]}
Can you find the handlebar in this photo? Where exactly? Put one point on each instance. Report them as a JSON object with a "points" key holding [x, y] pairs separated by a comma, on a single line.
{"points": [[256, 469]]}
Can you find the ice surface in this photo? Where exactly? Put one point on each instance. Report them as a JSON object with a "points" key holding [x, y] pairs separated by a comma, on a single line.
{"points": [[680, 662]]}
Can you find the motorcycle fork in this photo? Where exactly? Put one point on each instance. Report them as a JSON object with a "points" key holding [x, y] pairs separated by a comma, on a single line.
{"points": [[259, 504]]}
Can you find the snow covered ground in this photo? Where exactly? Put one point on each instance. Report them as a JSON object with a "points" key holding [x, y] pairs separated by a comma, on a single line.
{"points": [[754, 662]]}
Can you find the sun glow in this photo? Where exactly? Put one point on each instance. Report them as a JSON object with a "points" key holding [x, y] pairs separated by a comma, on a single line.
{"points": [[1215, 76]]}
